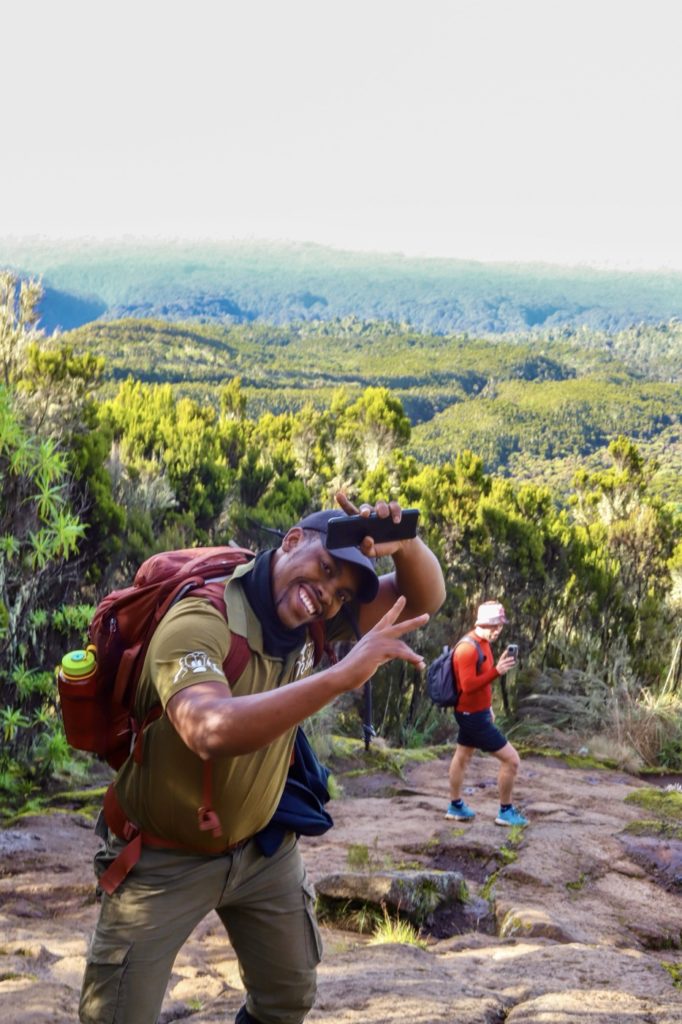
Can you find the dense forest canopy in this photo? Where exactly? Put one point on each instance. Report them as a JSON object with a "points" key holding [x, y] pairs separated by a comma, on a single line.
{"points": [[529, 408], [530, 459]]}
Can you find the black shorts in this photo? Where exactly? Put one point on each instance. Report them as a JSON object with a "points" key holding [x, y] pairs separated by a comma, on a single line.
{"points": [[477, 729]]}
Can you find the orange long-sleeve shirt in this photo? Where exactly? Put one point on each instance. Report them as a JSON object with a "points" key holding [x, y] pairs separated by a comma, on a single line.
{"points": [[476, 689]]}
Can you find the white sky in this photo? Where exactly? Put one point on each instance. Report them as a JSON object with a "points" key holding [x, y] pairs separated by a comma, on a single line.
{"points": [[483, 129]]}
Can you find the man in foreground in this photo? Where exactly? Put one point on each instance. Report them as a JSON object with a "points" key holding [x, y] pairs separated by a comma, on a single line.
{"points": [[475, 669], [211, 769]]}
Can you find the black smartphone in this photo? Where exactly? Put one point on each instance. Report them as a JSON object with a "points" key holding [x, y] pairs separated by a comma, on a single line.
{"points": [[348, 531], [513, 651]]}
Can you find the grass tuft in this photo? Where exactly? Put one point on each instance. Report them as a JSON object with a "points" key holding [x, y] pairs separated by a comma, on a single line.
{"points": [[395, 930], [654, 827], [665, 803], [675, 972]]}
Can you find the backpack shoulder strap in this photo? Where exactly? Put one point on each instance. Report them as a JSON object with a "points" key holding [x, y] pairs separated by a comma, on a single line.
{"points": [[236, 661], [240, 652], [469, 639], [318, 633], [237, 658]]}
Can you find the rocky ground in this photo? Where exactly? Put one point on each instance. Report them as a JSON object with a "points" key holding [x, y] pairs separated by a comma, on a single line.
{"points": [[573, 921]]}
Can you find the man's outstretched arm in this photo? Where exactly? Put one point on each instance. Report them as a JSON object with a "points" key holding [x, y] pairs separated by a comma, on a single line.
{"points": [[213, 723]]}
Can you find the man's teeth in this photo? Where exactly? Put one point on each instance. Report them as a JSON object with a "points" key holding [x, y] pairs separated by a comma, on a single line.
{"points": [[307, 603]]}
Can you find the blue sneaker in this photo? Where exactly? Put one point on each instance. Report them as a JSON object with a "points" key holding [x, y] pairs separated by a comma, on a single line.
{"points": [[510, 817], [460, 812]]}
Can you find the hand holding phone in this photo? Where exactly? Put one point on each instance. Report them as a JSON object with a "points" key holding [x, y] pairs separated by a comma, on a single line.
{"points": [[345, 531], [508, 660]]}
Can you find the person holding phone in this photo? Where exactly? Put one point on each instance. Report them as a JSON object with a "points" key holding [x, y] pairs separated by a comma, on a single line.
{"points": [[475, 671], [244, 728]]}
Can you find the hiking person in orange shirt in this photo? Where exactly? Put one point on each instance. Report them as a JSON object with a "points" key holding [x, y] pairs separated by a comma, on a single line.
{"points": [[475, 671]]}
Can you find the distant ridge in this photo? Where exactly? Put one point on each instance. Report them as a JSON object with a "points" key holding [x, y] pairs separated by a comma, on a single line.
{"points": [[241, 282]]}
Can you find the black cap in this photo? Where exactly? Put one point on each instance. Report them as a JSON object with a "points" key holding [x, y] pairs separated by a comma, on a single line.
{"points": [[369, 581]]}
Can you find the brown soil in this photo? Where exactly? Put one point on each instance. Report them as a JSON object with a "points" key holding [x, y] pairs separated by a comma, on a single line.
{"points": [[582, 927]]}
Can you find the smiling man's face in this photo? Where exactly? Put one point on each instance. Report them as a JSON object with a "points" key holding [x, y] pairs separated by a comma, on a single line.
{"points": [[308, 583]]}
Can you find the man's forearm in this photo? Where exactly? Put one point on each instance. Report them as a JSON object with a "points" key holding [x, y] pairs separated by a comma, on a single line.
{"points": [[419, 578], [213, 724]]}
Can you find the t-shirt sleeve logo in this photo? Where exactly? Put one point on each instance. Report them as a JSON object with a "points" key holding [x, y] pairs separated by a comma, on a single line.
{"points": [[196, 663]]}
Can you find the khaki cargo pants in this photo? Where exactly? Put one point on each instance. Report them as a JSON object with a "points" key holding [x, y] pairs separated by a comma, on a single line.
{"points": [[264, 903]]}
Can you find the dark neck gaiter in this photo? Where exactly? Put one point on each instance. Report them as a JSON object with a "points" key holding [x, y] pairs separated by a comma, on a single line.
{"points": [[278, 641]]}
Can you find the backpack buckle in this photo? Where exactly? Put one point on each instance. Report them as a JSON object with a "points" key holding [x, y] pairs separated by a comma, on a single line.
{"points": [[129, 831], [209, 822]]}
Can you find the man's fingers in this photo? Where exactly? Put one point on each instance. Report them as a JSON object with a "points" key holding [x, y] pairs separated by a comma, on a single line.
{"points": [[393, 614], [405, 652], [383, 508], [347, 505], [367, 547], [415, 659]]}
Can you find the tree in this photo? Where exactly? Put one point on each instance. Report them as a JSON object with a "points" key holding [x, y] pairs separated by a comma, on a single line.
{"points": [[39, 536], [18, 320], [178, 440], [632, 536], [377, 423]]}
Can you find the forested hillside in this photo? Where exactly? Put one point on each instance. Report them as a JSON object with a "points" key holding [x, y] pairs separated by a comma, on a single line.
{"points": [[278, 283], [531, 408]]}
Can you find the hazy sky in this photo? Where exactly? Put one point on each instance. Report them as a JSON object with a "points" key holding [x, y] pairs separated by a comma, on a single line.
{"points": [[485, 129]]}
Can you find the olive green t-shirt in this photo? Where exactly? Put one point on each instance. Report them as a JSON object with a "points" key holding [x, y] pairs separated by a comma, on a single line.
{"points": [[162, 794]]}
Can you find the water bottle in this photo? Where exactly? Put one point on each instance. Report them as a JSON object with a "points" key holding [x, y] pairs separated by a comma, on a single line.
{"points": [[83, 713]]}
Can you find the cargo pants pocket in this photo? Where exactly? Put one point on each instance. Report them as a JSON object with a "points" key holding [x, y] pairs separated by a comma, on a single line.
{"points": [[101, 1001], [313, 936]]}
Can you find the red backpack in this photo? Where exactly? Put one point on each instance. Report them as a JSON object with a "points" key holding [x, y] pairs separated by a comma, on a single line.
{"points": [[98, 711]]}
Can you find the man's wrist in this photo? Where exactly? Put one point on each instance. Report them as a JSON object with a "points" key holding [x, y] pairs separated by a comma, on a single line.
{"points": [[343, 677], [407, 550]]}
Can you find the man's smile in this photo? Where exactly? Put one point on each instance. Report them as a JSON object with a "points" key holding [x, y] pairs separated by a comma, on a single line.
{"points": [[307, 602]]}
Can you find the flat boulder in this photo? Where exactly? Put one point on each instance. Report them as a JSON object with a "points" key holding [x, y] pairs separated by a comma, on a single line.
{"points": [[417, 895]]}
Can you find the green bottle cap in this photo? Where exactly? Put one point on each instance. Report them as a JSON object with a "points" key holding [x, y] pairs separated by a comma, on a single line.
{"points": [[78, 663]]}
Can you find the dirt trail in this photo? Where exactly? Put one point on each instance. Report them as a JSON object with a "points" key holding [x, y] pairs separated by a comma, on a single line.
{"points": [[581, 924]]}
